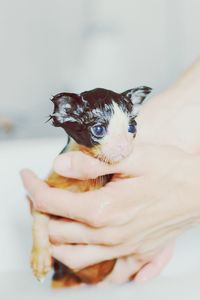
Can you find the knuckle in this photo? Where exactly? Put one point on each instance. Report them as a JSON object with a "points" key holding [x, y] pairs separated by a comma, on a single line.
{"points": [[54, 239], [100, 213], [94, 222], [109, 238], [53, 235], [99, 218]]}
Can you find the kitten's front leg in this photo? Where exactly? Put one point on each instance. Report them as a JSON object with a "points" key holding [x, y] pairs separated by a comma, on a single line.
{"points": [[41, 260]]}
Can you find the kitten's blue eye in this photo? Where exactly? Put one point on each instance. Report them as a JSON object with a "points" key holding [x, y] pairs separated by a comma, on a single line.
{"points": [[98, 131], [131, 128]]}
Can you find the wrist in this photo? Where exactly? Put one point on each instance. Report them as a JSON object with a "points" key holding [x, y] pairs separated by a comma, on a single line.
{"points": [[171, 118]]}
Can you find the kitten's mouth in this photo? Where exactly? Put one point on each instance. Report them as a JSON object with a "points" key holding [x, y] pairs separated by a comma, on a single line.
{"points": [[111, 159], [116, 156], [108, 156]]}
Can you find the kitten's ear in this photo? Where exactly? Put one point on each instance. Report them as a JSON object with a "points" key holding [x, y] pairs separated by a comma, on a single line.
{"points": [[66, 107], [137, 96]]}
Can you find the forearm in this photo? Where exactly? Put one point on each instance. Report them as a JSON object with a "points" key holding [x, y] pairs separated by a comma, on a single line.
{"points": [[190, 79], [172, 117], [185, 90]]}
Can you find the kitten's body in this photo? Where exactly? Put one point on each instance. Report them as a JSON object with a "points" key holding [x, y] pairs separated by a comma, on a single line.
{"points": [[63, 276], [100, 123]]}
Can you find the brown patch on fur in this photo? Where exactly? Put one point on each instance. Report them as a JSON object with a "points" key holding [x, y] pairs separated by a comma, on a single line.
{"points": [[97, 272], [68, 281], [73, 185], [94, 151]]}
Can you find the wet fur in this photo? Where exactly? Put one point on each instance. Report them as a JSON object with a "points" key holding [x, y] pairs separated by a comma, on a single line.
{"points": [[63, 276], [76, 114]]}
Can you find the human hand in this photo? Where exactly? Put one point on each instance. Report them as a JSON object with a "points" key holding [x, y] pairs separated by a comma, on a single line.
{"points": [[113, 217]]}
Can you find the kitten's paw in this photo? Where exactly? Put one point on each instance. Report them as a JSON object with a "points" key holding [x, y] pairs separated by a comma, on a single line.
{"points": [[41, 262]]}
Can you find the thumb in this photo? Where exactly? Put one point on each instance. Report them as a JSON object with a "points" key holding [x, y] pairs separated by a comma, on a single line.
{"points": [[144, 158], [81, 166], [76, 164]]}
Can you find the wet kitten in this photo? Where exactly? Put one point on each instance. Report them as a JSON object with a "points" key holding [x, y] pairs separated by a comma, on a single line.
{"points": [[100, 123]]}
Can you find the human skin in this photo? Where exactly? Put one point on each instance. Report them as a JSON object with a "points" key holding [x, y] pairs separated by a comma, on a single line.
{"points": [[162, 173]]}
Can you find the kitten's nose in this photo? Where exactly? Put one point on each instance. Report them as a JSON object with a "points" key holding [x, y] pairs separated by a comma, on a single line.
{"points": [[124, 148]]}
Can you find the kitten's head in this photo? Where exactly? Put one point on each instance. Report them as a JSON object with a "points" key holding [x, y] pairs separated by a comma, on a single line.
{"points": [[101, 120]]}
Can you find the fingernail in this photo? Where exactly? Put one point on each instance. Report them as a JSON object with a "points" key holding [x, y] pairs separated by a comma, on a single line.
{"points": [[62, 165]]}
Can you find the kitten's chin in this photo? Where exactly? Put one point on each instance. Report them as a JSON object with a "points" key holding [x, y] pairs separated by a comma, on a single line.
{"points": [[118, 155], [112, 159]]}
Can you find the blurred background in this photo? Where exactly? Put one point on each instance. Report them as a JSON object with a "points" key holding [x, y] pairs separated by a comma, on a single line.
{"points": [[51, 46]]}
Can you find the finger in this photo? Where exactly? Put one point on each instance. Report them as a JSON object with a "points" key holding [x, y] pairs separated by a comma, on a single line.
{"points": [[155, 267], [63, 232], [30, 204], [97, 208], [75, 164], [123, 270], [78, 257], [31, 181], [86, 207], [81, 166]]}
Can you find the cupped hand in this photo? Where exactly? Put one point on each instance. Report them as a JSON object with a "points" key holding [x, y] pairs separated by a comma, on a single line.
{"points": [[143, 209]]}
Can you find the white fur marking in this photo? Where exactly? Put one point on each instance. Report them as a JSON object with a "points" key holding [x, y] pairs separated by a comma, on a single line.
{"points": [[118, 122], [118, 142]]}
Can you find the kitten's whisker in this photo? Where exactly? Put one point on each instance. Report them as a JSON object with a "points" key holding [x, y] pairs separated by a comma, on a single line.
{"points": [[49, 118]]}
